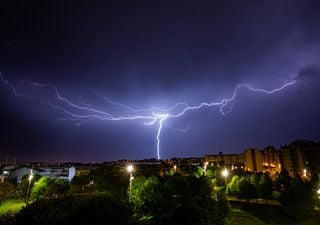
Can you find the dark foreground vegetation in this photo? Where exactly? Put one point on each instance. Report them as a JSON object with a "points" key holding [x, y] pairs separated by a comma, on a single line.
{"points": [[152, 201], [94, 209], [190, 196]]}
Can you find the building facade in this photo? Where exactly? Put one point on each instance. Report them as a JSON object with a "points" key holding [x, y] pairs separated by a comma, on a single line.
{"points": [[301, 158], [253, 158], [233, 161]]}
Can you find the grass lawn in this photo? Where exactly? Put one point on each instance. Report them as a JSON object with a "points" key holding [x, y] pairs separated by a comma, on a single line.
{"points": [[11, 205], [267, 215]]}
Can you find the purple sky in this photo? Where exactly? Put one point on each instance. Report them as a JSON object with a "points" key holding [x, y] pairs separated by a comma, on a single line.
{"points": [[155, 54]]}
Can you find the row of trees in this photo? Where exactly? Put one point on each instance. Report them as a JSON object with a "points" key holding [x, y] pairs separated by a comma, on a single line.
{"points": [[177, 200], [103, 179], [153, 200], [298, 197], [93, 209], [39, 187], [251, 186], [173, 198]]}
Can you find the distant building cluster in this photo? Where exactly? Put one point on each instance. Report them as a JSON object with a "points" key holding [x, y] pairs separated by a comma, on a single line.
{"points": [[298, 158], [18, 172]]}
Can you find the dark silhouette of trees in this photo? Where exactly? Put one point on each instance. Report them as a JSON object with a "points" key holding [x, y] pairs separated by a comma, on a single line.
{"points": [[97, 209], [247, 190], [57, 188], [298, 200], [7, 190], [265, 187], [177, 200], [283, 180]]}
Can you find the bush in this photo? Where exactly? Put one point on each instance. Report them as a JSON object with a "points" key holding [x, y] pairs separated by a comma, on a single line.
{"points": [[298, 201], [7, 219], [98, 209], [246, 189], [177, 200]]}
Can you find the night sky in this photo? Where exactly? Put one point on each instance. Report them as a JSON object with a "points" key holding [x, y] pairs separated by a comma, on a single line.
{"points": [[157, 53]]}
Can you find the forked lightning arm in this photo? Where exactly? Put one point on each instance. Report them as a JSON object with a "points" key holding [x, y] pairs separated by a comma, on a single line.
{"points": [[82, 112]]}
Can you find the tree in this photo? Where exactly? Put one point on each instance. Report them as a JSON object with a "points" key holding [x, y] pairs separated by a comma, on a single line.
{"points": [[246, 189], [7, 190], [265, 187], [23, 189], [57, 187], [177, 200], [233, 186], [93, 209], [211, 172], [107, 179], [78, 184], [298, 201], [147, 197], [198, 171], [40, 187], [283, 180]]}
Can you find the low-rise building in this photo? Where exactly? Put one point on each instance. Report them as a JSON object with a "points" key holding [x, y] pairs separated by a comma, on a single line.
{"points": [[233, 161]]}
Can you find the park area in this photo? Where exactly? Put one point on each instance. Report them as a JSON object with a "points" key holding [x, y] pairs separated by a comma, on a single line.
{"points": [[192, 196], [267, 215], [244, 214], [11, 206]]}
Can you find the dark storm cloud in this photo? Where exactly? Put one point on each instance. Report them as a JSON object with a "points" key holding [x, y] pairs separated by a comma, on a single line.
{"points": [[309, 72]]}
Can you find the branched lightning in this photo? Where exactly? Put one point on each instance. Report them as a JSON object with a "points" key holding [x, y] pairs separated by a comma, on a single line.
{"points": [[83, 112]]}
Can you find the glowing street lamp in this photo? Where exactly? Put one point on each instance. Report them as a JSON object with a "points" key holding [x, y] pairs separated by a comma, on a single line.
{"points": [[130, 169], [30, 177], [29, 184], [225, 174], [205, 168], [175, 168]]}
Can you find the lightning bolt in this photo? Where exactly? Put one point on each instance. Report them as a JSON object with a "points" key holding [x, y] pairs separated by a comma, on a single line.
{"points": [[83, 112]]}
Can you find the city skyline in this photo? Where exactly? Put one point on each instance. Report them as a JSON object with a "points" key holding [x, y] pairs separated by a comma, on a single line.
{"points": [[117, 59]]}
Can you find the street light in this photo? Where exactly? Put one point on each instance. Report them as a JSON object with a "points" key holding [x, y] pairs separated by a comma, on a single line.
{"points": [[225, 174], [130, 169], [29, 184], [175, 168], [205, 168]]}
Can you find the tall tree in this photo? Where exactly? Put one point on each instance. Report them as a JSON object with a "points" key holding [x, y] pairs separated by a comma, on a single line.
{"points": [[177, 200], [40, 187], [7, 190], [246, 189], [57, 187], [298, 200], [265, 187]]}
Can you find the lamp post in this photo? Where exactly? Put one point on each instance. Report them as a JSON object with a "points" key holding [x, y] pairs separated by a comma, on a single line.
{"points": [[205, 168], [130, 170], [225, 174], [175, 168], [29, 184]]}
